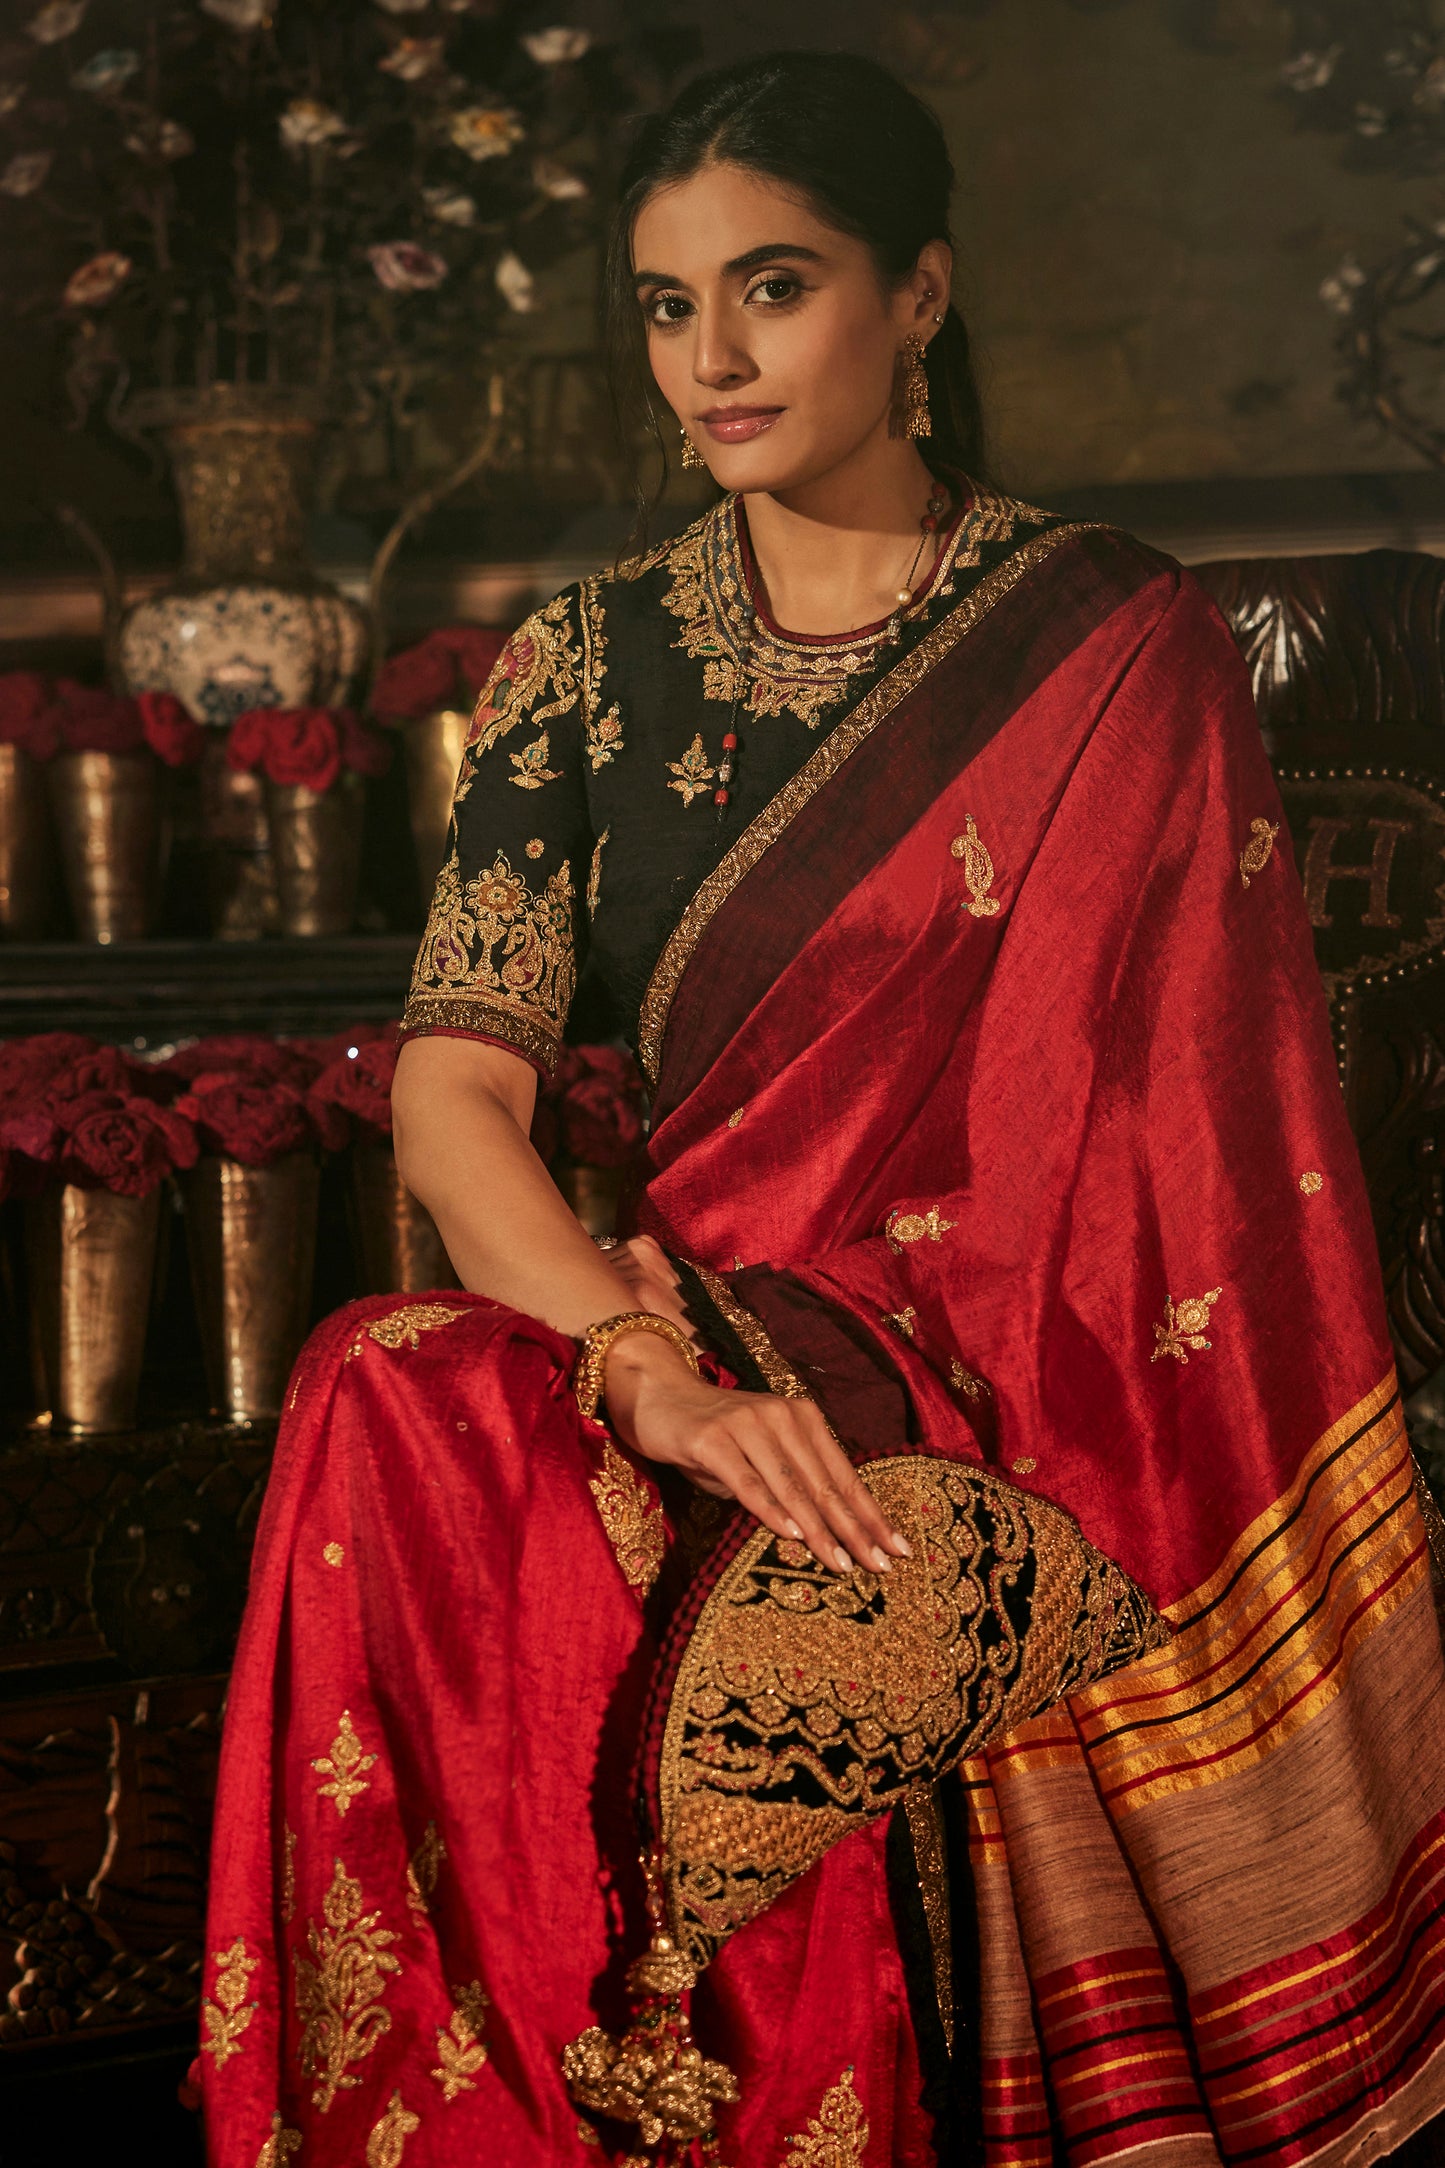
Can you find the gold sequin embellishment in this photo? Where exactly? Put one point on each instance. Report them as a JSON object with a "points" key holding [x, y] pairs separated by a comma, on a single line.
{"points": [[1258, 851], [594, 875], [977, 870], [1311, 1183], [1183, 1326], [837, 2136], [389, 2134], [904, 1227], [603, 735], [343, 1766], [340, 1988], [228, 2016], [460, 2050], [631, 1517], [403, 1328]]}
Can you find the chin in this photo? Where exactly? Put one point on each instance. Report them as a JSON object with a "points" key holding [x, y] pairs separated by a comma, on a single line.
{"points": [[765, 464]]}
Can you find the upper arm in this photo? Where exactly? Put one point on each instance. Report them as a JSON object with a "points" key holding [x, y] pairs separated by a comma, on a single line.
{"points": [[430, 1070]]}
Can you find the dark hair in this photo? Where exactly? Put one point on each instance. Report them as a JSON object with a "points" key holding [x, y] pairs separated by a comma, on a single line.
{"points": [[851, 141]]}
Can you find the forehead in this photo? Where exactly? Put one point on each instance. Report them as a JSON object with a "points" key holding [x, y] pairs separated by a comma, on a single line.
{"points": [[690, 228]]}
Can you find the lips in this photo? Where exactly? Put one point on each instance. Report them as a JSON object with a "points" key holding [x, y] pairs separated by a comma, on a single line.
{"points": [[736, 424]]}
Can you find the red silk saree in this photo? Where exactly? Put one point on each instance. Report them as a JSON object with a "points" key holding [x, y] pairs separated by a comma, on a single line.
{"points": [[994, 1106]]}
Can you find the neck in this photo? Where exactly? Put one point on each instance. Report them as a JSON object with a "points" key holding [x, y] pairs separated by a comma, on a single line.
{"points": [[833, 552]]}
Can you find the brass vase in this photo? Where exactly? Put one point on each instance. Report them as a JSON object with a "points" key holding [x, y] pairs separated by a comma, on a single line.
{"points": [[592, 1193], [240, 878], [27, 848], [433, 746], [398, 1248], [90, 1260], [251, 1233], [316, 851], [108, 822]]}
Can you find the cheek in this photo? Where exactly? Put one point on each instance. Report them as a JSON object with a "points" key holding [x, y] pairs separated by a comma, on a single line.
{"points": [[835, 359], [671, 365]]}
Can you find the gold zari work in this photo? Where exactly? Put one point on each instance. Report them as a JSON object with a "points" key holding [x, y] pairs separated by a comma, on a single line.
{"points": [[631, 1517], [777, 1375], [1258, 851], [965, 1381], [344, 1766], [603, 737], [334, 1554], [977, 871], [460, 2052], [531, 765], [904, 1227], [288, 1872], [594, 876], [930, 1860], [1311, 1183], [227, 2017], [837, 2136], [693, 773], [493, 942], [422, 1871], [402, 1328], [806, 1702], [340, 1988], [903, 1320], [1183, 1326], [280, 2146], [388, 2138], [553, 664]]}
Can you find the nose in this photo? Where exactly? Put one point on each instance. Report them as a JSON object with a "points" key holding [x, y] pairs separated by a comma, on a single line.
{"points": [[720, 360]]}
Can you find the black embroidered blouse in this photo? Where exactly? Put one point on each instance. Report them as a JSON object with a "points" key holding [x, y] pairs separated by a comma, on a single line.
{"points": [[585, 820]]}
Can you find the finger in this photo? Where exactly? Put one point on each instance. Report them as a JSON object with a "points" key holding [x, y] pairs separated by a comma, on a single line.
{"points": [[797, 1495], [727, 1464], [849, 1508]]}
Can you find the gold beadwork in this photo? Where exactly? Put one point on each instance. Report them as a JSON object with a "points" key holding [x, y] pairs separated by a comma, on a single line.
{"points": [[1026, 1466], [422, 1871], [1311, 1182], [535, 847], [632, 1518], [1183, 1326], [403, 1328], [837, 2136], [344, 1766], [339, 1989], [909, 416], [736, 1116], [389, 2134], [229, 2015], [594, 876], [693, 772], [333, 1553], [598, 1341], [460, 2049], [280, 2146], [977, 870], [1257, 852], [904, 1227], [930, 1859]]}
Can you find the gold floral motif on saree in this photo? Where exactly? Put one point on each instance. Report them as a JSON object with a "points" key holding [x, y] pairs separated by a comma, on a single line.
{"points": [[402, 1328], [594, 877], [1184, 1326], [901, 1227], [693, 773], [965, 1381], [280, 2146], [228, 2016], [423, 1868], [343, 1767], [631, 1516], [902, 1321], [389, 2134], [493, 947], [977, 870], [531, 765], [1259, 850], [1311, 1182], [340, 1988], [334, 1553], [806, 1702], [461, 2051], [837, 2136]]}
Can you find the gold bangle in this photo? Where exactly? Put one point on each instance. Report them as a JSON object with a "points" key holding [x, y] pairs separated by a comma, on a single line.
{"points": [[597, 1342]]}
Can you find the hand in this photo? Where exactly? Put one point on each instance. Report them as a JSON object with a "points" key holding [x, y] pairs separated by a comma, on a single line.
{"points": [[651, 1282], [776, 1457]]}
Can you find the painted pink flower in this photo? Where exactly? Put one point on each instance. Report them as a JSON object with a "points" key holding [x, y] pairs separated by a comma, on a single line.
{"points": [[404, 268], [98, 281]]}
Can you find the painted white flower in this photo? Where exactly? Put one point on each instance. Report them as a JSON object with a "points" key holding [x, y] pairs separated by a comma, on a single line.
{"points": [[412, 58], [239, 14], [25, 173], [549, 48], [451, 206], [404, 268], [485, 131], [556, 181], [61, 19], [161, 139], [98, 281], [515, 283], [1311, 71], [1340, 288], [307, 122]]}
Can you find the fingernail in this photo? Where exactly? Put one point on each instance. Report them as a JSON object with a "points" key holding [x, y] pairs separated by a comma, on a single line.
{"points": [[902, 1545], [794, 1530], [883, 1562], [842, 1561]]}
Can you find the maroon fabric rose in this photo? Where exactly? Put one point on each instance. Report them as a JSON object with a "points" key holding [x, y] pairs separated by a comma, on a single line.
{"points": [[247, 1053], [475, 649], [92, 720], [248, 1118], [290, 745], [109, 1140], [102, 1069], [26, 1064], [415, 682], [27, 713], [171, 731], [362, 748], [601, 1124], [357, 1086]]}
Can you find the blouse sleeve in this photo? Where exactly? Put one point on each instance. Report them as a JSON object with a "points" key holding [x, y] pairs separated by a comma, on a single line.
{"points": [[498, 960]]}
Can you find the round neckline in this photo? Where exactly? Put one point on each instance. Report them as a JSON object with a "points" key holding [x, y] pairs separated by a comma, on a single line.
{"points": [[921, 594]]}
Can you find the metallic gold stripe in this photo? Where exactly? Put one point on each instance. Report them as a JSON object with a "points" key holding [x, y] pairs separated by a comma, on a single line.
{"points": [[930, 1857], [781, 1379], [484, 1019], [841, 742]]}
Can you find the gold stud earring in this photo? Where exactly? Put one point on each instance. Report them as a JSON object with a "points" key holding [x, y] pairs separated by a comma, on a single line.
{"points": [[909, 416], [691, 456]]}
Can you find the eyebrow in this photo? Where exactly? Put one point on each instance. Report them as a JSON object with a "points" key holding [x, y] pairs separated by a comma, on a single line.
{"points": [[737, 266]]}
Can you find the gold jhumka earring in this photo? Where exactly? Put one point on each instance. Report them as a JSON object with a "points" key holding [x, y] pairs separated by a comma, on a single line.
{"points": [[910, 416], [691, 456]]}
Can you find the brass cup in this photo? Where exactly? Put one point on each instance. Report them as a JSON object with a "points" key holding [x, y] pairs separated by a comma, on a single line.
{"points": [[240, 878], [398, 1248], [316, 849], [433, 745], [91, 1258], [251, 1233], [107, 810], [592, 1193], [27, 848]]}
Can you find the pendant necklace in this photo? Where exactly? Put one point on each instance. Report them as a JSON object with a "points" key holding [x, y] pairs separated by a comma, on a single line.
{"points": [[748, 612]]}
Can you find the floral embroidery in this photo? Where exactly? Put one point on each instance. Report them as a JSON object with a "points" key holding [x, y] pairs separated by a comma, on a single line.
{"points": [[631, 1517], [534, 976], [1026, 1466], [333, 1553], [541, 657], [422, 1871], [964, 1381], [288, 1872], [977, 870], [594, 877], [837, 2136], [460, 2050], [904, 1227], [1311, 1183], [403, 1328], [228, 2016], [1258, 851], [902, 1320], [603, 737], [692, 773], [280, 2146], [531, 765], [736, 1116], [1183, 1326], [344, 1766], [339, 1989], [535, 847], [388, 2138]]}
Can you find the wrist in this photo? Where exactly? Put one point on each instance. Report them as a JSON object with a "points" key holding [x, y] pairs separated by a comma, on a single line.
{"points": [[619, 1354]]}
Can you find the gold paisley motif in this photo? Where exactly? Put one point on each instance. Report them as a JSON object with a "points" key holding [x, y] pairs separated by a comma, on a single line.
{"points": [[403, 1328], [533, 977], [1184, 1325], [837, 2136], [228, 2016], [977, 870], [280, 2146], [389, 2134], [540, 674], [1258, 851], [340, 1988], [632, 1518]]}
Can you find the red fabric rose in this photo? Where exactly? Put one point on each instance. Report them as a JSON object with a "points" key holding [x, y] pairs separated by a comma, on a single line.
{"points": [[92, 720], [292, 745], [475, 650], [248, 1118], [358, 1085], [26, 1064], [27, 713], [101, 1070], [362, 748], [415, 682], [247, 1053], [116, 1141], [601, 1124], [171, 731]]}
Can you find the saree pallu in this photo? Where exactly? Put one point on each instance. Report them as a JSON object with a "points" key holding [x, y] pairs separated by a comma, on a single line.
{"points": [[995, 1107]]}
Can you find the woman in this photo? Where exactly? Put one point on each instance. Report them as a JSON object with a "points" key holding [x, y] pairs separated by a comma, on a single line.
{"points": [[993, 1599]]}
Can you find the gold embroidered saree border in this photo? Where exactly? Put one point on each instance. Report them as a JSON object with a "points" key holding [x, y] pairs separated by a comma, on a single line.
{"points": [[842, 741], [780, 1377], [484, 1018]]}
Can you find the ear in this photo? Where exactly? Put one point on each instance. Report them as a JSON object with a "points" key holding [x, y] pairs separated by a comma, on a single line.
{"points": [[924, 293]]}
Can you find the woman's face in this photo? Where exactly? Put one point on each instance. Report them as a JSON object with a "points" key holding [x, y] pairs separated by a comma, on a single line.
{"points": [[770, 333]]}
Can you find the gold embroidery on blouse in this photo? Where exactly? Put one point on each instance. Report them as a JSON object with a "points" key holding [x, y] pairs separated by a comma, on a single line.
{"points": [[964, 1381], [837, 2136], [631, 1517], [594, 877], [904, 1227], [977, 870], [603, 737], [1183, 1326], [531, 765], [288, 1872], [535, 847], [902, 1320], [280, 2146], [692, 773], [423, 1868], [333, 1553], [344, 1767], [389, 2134], [1311, 1182], [823, 764], [403, 1328], [229, 2015], [542, 658], [777, 1375], [460, 2049], [533, 977], [1259, 850], [340, 1988]]}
